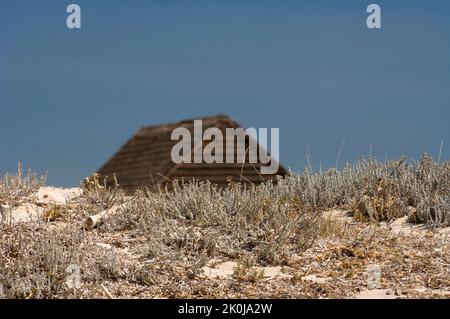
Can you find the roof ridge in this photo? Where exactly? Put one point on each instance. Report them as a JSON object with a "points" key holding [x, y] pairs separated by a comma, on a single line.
{"points": [[208, 117]]}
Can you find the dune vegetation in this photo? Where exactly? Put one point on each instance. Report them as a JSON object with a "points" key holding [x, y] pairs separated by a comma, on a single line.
{"points": [[310, 235]]}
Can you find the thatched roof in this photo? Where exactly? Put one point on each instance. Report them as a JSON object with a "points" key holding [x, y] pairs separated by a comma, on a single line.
{"points": [[145, 159]]}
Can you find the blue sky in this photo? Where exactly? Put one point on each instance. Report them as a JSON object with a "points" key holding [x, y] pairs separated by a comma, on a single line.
{"points": [[70, 98]]}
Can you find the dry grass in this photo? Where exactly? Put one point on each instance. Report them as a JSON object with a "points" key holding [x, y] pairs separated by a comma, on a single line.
{"points": [[379, 191], [16, 189], [157, 242]]}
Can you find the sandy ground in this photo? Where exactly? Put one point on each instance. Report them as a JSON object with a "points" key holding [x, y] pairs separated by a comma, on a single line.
{"points": [[414, 262]]}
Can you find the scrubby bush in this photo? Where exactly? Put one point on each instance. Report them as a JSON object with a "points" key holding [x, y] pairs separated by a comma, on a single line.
{"points": [[15, 189], [377, 191]]}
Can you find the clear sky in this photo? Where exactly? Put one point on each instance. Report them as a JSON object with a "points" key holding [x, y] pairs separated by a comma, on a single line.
{"points": [[70, 98]]}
